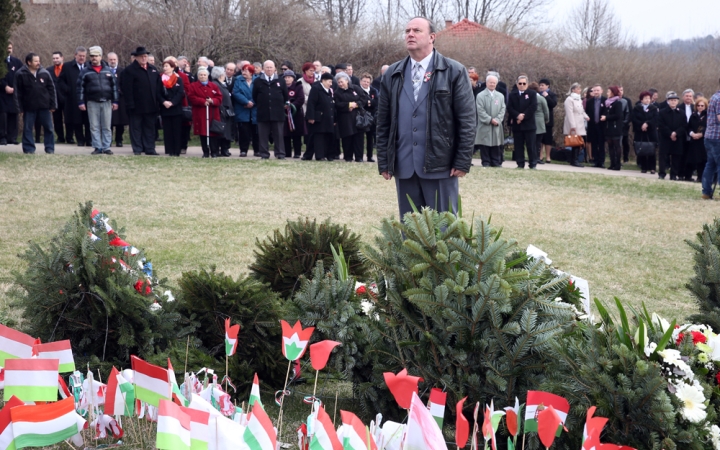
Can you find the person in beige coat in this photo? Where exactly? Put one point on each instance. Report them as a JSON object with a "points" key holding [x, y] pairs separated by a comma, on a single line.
{"points": [[490, 134], [575, 118]]}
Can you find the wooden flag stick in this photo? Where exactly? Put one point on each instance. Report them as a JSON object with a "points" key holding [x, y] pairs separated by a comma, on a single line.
{"points": [[99, 376], [282, 398], [523, 446], [226, 372], [335, 409], [187, 350], [312, 405]]}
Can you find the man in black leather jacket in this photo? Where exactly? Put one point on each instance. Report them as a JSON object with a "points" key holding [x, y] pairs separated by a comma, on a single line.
{"points": [[426, 123], [98, 95]]}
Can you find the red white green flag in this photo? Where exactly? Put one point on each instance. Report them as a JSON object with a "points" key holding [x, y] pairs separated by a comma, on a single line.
{"points": [[152, 382], [231, 334], [42, 425], [537, 398], [7, 437], [60, 350], [255, 393], [31, 380], [259, 434], [120, 395], [422, 431], [295, 339], [199, 428], [355, 435], [14, 344], [436, 405], [325, 437], [173, 427]]}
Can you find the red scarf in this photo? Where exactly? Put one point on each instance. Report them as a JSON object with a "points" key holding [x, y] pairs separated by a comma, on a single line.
{"points": [[309, 79], [169, 81]]}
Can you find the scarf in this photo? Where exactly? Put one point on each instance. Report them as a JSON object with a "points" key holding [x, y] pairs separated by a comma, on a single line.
{"points": [[309, 80], [575, 96], [610, 101], [204, 83], [169, 81]]}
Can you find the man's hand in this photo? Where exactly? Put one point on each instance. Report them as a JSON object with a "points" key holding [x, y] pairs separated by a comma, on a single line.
{"points": [[166, 104], [250, 105], [9, 90], [673, 136], [602, 118], [311, 121], [520, 117], [457, 173], [644, 127], [386, 175], [115, 106], [82, 108], [494, 122]]}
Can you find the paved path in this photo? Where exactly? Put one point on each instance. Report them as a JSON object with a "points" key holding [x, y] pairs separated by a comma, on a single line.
{"points": [[126, 150]]}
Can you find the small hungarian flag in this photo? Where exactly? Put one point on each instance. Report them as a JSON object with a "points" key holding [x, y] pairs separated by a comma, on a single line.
{"points": [[537, 398], [255, 393], [14, 344], [199, 428], [152, 382], [462, 427], [422, 432], [231, 334], [320, 353], [177, 395], [31, 380], [491, 421], [7, 437], [259, 434], [173, 427], [61, 350], [295, 340], [402, 386], [325, 437], [355, 435], [436, 405], [120, 400], [512, 415], [41, 425]]}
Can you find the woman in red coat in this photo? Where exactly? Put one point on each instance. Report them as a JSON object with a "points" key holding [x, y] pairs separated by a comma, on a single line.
{"points": [[205, 98]]}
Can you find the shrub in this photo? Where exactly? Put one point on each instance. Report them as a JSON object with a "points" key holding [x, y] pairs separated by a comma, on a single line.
{"points": [[207, 297], [458, 309], [705, 285], [78, 287], [282, 258]]}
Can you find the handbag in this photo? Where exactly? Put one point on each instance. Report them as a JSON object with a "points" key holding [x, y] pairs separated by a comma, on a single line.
{"points": [[187, 113], [363, 120], [644, 148], [574, 141], [217, 127]]}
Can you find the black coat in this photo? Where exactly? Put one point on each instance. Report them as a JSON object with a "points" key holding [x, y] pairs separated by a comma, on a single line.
{"points": [[174, 95], [7, 101], [34, 92], [346, 117], [669, 121], [614, 120], [139, 87], [640, 117], [56, 83], [523, 104], [321, 109], [224, 108], [552, 101], [590, 111], [696, 153], [370, 100], [119, 116], [68, 89], [297, 99], [270, 98]]}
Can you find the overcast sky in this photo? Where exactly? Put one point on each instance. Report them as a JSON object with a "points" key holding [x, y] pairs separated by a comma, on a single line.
{"points": [[664, 20]]}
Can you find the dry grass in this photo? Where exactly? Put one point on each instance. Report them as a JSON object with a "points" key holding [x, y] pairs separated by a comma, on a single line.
{"points": [[625, 235]]}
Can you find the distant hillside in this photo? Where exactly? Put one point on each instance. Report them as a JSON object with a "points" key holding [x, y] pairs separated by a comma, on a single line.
{"points": [[700, 44]]}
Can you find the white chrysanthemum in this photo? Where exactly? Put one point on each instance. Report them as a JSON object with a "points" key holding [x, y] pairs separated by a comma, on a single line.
{"points": [[693, 409], [714, 344], [670, 355], [715, 436]]}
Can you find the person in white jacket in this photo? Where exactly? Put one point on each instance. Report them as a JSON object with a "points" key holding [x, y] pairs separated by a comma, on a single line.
{"points": [[575, 118]]}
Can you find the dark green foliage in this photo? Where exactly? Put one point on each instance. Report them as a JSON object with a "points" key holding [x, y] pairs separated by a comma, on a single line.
{"points": [[705, 285], [461, 310], [207, 297], [329, 303], [282, 258], [75, 289], [599, 365], [11, 15]]}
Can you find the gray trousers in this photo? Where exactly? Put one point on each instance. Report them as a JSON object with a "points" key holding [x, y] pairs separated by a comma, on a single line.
{"points": [[264, 131], [440, 194], [100, 116]]}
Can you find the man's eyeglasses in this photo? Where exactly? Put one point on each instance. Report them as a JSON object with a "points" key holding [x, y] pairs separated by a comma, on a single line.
{"points": [[522, 84]]}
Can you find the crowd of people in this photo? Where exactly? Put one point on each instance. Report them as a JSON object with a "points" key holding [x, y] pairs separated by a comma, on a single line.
{"points": [[328, 109]]}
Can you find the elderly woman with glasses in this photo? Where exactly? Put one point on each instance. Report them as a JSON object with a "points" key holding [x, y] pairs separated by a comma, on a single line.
{"points": [[696, 156], [348, 99]]}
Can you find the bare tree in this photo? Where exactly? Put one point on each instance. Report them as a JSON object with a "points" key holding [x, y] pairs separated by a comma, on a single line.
{"points": [[508, 16], [338, 14], [593, 24], [431, 9]]}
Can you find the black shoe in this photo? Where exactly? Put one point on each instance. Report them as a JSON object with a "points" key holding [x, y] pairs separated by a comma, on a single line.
{"points": [[108, 152], [243, 154], [296, 156], [60, 141], [280, 157], [50, 152], [70, 141], [541, 162], [3, 142], [97, 151], [119, 144], [81, 143], [153, 153], [264, 157], [370, 160], [225, 154]]}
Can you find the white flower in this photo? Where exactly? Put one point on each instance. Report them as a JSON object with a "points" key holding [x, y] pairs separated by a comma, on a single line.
{"points": [[650, 349], [693, 409], [714, 344], [669, 355], [715, 436], [660, 322]]}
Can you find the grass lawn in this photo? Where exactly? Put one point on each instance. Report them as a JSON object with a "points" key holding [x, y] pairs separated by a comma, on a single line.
{"points": [[624, 234]]}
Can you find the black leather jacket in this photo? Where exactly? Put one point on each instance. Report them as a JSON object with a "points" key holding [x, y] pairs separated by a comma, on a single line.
{"points": [[96, 87], [451, 117]]}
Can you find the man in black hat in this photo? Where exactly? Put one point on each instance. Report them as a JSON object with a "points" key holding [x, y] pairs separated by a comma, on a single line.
{"points": [[139, 83]]}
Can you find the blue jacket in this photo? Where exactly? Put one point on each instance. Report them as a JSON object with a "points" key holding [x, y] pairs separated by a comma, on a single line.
{"points": [[241, 95]]}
